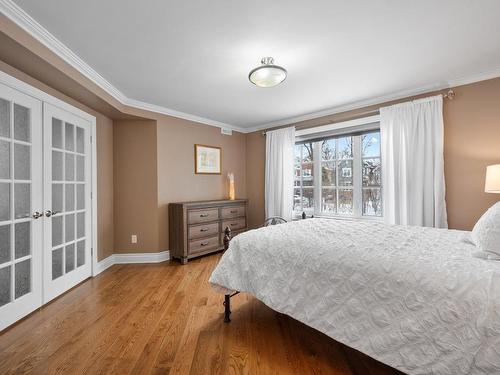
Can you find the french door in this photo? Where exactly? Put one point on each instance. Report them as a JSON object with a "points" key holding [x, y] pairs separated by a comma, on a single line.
{"points": [[21, 222], [67, 201], [45, 203]]}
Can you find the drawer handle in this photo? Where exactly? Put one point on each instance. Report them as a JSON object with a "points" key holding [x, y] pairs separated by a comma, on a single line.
{"points": [[204, 215], [203, 229], [204, 244], [234, 211]]}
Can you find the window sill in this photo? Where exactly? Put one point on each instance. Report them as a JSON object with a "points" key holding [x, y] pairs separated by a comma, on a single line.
{"points": [[342, 217]]}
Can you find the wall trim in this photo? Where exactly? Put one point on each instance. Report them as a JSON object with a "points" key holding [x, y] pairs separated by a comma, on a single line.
{"points": [[37, 31], [131, 258]]}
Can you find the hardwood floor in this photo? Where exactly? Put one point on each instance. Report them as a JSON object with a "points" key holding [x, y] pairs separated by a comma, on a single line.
{"points": [[165, 319]]}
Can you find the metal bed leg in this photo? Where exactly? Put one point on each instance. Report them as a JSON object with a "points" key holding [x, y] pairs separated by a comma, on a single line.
{"points": [[227, 308]]}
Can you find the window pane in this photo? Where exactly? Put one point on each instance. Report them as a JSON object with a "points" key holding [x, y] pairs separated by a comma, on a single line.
{"points": [[345, 173], [370, 144], [307, 174], [328, 149], [345, 202], [298, 154], [372, 202], [345, 148], [307, 152], [328, 177], [329, 201], [296, 200], [308, 200], [371, 172]]}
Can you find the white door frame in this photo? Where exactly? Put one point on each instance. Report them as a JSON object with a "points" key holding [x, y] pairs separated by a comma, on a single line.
{"points": [[27, 89]]}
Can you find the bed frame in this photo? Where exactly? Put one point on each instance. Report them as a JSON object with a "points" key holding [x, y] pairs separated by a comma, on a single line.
{"points": [[227, 297]]}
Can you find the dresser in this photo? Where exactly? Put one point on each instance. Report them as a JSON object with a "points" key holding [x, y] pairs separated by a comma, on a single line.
{"points": [[197, 228]]}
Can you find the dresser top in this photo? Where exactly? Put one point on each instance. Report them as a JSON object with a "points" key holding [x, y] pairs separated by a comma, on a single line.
{"points": [[216, 202]]}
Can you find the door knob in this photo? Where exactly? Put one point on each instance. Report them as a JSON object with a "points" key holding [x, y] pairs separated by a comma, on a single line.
{"points": [[36, 215], [50, 213]]}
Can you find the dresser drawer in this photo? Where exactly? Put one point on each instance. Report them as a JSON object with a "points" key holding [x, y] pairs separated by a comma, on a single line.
{"points": [[204, 230], [234, 224], [198, 246], [202, 216], [234, 211]]}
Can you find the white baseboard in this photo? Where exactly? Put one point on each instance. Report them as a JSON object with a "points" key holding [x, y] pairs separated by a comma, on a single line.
{"points": [[130, 259]]}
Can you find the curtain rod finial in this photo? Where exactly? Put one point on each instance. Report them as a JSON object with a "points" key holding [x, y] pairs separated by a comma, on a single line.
{"points": [[449, 95]]}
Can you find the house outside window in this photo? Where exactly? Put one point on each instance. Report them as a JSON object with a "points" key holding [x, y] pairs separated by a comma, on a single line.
{"points": [[339, 176]]}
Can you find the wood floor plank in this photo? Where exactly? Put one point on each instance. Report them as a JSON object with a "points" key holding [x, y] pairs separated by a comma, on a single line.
{"points": [[166, 319]]}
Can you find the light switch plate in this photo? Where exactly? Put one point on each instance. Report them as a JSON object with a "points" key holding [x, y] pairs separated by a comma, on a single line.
{"points": [[133, 239]]}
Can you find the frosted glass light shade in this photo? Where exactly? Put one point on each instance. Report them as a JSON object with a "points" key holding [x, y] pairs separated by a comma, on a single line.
{"points": [[268, 74], [492, 184]]}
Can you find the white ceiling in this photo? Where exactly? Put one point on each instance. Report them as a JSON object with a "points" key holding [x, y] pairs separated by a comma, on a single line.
{"points": [[194, 56]]}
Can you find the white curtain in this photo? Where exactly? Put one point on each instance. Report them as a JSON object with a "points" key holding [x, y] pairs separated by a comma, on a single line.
{"points": [[279, 172], [413, 164]]}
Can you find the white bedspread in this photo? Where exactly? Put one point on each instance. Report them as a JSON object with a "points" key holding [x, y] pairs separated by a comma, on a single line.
{"points": [[413, 298]]}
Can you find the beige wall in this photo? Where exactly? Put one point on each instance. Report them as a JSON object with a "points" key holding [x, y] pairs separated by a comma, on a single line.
{"points": [[176, 178], [104, 164], [135, 186], [472, 141]]}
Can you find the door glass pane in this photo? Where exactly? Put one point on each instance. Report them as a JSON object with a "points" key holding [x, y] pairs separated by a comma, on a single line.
{"points": [[70, 257], [69, 226], [5, 243], [4, 201], [80, 197], [80, 225], [57, 197], [80, 145], [345, 173], [345, 201], [23, 278], [22, 200], [57, 133], [57, 166], [4, 118], [69, 135], [80, 168], [21, 123], [22, 162], [57, 263], [70, 167], [80, 253], [57, 230], [4, 159], [5, 285], [70, 197], [23, 239]]}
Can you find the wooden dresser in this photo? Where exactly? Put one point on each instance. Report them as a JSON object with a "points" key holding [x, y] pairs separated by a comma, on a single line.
{"points": [[197, 228]]}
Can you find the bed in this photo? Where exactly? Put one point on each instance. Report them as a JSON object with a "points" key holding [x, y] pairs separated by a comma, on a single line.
{"points": [[411, 297]]}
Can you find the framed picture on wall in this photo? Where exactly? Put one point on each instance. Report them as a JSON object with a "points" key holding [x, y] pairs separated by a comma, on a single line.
{"points": [[207, 159]]}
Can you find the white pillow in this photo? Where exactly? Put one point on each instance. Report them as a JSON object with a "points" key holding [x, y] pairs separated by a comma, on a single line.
{"points": [[486, 232]]}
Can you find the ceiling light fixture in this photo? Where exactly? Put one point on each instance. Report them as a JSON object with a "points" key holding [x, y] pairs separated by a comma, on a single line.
{"points": [[268, 74]]}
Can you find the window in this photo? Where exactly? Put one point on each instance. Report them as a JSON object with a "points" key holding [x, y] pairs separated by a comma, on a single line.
{"points": [[339, 176]]}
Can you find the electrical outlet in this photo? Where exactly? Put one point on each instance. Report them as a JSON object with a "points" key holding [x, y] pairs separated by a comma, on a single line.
{"points": [[133, 239]]}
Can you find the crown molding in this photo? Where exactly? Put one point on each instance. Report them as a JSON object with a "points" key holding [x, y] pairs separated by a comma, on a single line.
{"points": [[22, 19], [37, 31], [378, 100]]}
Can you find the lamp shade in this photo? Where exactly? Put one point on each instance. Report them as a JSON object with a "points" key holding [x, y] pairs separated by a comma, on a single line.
{"points": [[492, 184], [268, 74]]}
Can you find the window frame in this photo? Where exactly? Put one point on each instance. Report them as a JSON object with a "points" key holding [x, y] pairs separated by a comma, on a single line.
{"points": [[357, 170]]}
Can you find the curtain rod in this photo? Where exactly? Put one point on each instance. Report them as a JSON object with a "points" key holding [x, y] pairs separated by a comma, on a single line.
{"points": [[450, 94]]}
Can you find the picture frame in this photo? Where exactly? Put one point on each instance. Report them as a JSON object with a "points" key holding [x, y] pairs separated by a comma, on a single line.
{"points": [[207, 159]]}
